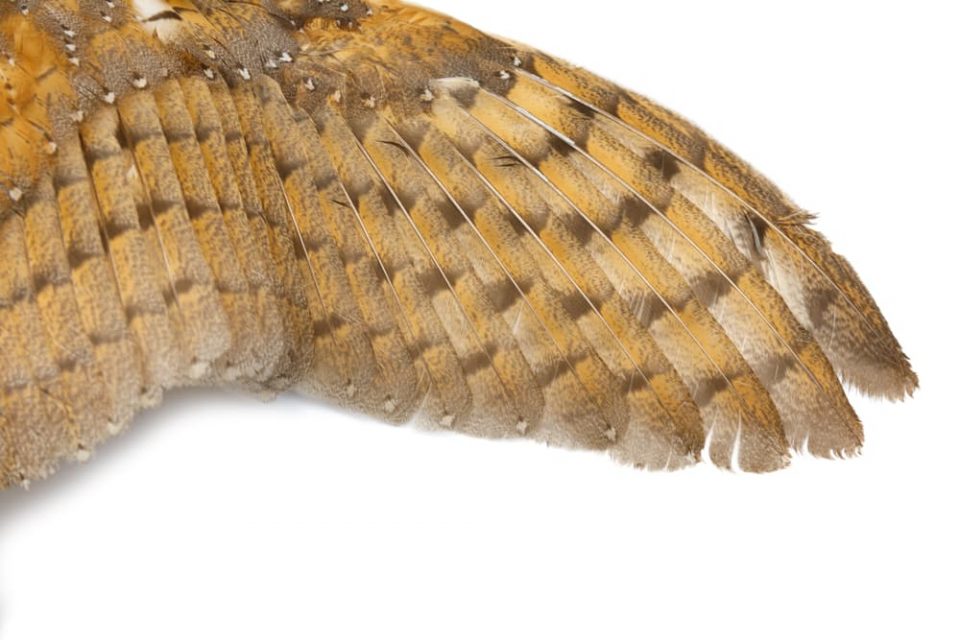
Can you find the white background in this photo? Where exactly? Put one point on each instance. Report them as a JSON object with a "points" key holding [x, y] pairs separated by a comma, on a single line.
{"points": [[220, 517]]}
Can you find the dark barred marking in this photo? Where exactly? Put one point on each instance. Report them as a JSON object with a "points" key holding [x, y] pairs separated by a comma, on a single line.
{"points": [[408, 197], [576, 305], [322, 182], [385, 197], [43, 281], [164, 15], [581, 228], [328, 325], [104, 339], [183, 286], [476, 363], [161, 206], [503, 295], [113, 228], [287, 167], [664, 162], [228, 288], [562, 147], [68, 364], [19, 295], [205, 132], [98, 154], [145, 216], [179, 136], [433, 282], [136, 136], [79, 256], [818, 302], [453, 216], [710, 287], [197, 209], [229, 205], [311, 244], [635, 211], [651, 309], [707, 390], [582, 109], [553, 146], [774, 369], [465, 94], [549, 375], [516, 223], [63, 178]]}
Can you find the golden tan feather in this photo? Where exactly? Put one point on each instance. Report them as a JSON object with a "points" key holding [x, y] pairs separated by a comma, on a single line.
{"points": [[383, 207]]}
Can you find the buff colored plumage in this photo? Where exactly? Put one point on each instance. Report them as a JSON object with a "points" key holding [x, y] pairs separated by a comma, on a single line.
{"points": [[385, 208]]}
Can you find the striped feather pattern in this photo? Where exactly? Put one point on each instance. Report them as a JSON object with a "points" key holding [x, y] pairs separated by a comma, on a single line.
{"points": [[387, 209]]}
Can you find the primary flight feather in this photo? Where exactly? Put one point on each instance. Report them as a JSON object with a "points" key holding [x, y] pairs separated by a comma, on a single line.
{"points": [[383, 207]]}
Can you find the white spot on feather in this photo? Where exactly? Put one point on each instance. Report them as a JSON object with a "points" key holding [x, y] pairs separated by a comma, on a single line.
{"points": [[165, 29], [144, 9], [452, 84], [199, 370]]}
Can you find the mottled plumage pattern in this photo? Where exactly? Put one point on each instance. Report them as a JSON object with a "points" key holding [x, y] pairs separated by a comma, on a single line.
{"points": [[385, 208]]}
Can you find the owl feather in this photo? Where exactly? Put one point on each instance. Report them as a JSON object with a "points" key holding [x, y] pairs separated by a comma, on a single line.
{"points": [[382, 207]]}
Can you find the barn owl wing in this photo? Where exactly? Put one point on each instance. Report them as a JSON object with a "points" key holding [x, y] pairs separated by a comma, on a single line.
{"points": [[386, 208]]}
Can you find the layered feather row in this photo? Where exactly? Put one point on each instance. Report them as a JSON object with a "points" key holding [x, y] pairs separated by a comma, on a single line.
{"points": [[386, 208]]}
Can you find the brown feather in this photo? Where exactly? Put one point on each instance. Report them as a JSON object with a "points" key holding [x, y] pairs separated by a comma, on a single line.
{"points": [[385, 208]]}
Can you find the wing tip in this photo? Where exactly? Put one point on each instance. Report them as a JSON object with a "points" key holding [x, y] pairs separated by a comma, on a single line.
{"points": [[897, 383]]}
